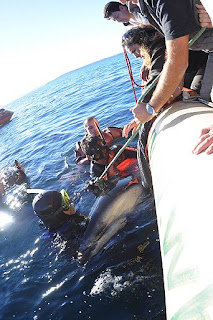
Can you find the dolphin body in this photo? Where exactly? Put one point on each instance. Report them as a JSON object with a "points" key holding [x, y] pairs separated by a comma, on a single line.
{"points": [[108, 215]]}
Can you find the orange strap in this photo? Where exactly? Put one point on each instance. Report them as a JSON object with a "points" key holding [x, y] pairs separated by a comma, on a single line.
{"points": [[126, 163]]}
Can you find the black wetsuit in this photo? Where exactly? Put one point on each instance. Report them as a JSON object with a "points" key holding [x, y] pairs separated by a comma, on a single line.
{"points": [[73, 228]]}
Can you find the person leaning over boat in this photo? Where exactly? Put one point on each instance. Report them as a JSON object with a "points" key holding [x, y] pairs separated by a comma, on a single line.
{"points": [[91, 127], [131, 15], [101, 155], [58, 214], [119, 12], [178, 22], [149, 44]]}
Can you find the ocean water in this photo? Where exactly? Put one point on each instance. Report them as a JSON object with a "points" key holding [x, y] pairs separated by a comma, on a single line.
{"points": [[39, 277]]}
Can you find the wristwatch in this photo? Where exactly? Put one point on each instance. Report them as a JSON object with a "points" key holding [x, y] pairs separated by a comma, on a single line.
{"points": [[150, 110]]}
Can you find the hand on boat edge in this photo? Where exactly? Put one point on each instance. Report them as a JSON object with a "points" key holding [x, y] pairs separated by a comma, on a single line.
{"points": [[140, 113], [204, 18], [205, 141], [131, 126]]}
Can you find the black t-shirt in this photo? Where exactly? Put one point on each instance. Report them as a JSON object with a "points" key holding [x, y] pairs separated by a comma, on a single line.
{"points": [[197, 60], [157, 51], [175, 18]]}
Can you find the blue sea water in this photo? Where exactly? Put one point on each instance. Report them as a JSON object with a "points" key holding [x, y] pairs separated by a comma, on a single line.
{"points": [[40, 279]]}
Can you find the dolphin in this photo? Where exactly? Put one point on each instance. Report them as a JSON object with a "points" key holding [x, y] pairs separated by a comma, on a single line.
{"points": [[108, 215]]}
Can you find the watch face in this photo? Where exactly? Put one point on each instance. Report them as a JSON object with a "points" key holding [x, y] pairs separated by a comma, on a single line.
{"points": [[149, 109]]}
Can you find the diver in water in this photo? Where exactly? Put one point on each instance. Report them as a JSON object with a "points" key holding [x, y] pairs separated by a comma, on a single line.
{"points": [[58, 214], [91, 127], [10, 177], [101, 155]]}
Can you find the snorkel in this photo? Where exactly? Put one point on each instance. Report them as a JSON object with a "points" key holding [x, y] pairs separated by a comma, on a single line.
{"points": [[66, 202], [99, 131]]}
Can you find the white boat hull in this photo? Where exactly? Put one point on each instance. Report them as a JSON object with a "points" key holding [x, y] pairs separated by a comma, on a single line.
{"points": [[183, 189]]}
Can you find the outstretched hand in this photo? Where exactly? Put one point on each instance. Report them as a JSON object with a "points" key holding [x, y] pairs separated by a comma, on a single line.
{"points": [[205, 141], [128, 127]]}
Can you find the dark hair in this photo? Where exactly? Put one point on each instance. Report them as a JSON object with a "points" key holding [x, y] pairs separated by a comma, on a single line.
{"points": [[90, 143], [93, 145], [144, 36], [111, 7], [14, 176]]}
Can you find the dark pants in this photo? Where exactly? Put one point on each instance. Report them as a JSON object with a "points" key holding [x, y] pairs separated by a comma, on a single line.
{"points": [[205, 43], [143, 162]]}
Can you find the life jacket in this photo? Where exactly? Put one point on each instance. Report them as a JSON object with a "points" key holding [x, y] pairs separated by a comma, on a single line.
{"points": [[124, 165], [127, 159]]}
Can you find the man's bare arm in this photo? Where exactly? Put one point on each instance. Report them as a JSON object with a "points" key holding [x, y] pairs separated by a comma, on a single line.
{"points": [[171, 76], [173, 71]]}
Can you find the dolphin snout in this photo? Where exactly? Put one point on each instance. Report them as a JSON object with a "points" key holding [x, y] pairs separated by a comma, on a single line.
{"points": [[84, 253]]}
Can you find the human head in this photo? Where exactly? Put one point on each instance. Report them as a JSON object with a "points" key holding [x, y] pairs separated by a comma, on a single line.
{"points": [[18, 177], [53, 208], [13, 176], [117, 11], [91, 126], [140, 41], [95, 149]]}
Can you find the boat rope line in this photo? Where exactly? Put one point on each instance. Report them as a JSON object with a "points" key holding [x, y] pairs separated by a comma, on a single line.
{"points": [[134, 134], [129, 67], [196, 36], [191, 42]]}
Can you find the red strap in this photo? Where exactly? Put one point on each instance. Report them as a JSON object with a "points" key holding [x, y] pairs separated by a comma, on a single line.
{"points": [[131, 74]]}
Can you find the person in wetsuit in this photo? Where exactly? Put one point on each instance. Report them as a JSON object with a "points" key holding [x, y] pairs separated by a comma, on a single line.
{"points": [[101, 155], [58, 214], [11, 176], [91, 127]]}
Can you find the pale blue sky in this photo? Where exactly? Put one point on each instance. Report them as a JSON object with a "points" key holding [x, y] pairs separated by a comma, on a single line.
{"points": [[43, 39]]}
